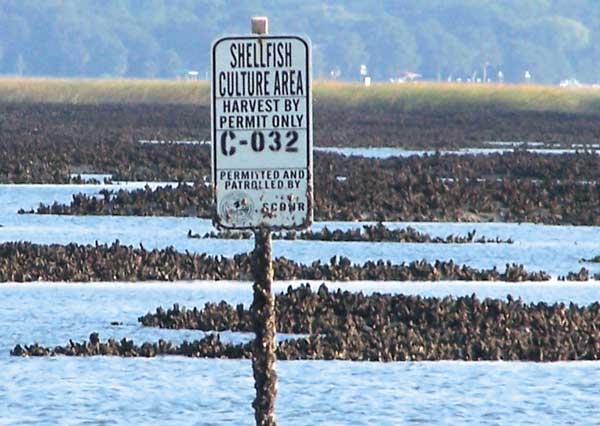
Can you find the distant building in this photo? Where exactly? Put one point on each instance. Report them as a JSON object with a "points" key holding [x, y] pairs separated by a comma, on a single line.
{"points": [[570, 82], [192, 75], [411, 76], [406, 77]]}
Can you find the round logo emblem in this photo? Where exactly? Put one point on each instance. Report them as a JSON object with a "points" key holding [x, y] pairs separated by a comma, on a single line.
{"points": [[235, 207]]}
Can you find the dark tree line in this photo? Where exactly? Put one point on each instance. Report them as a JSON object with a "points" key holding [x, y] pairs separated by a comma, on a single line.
{"points": [[553, 39]]}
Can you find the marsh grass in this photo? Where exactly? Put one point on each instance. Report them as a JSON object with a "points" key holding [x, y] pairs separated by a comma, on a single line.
{"points": [[404, 97], [440, 96], [76, 91]]}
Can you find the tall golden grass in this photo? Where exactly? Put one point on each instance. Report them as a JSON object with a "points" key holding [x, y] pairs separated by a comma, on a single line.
{"points": [[426, 95], [83, 91], [409, 96]]}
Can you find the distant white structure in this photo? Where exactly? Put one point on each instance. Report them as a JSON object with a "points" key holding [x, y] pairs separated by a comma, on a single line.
{"points": [[412, 76], [570, 82], [191, 75], [527, 76], [500, 76], [406, 77], [364, 73]]}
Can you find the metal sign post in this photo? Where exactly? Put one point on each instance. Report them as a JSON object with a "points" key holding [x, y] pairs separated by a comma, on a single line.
{"points": [[262, 165]]}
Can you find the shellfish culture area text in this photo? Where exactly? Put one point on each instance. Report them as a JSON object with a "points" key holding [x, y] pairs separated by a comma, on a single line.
{"points": [[262, 155]]}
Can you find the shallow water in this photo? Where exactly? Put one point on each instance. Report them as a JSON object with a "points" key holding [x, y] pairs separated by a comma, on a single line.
{"points": [[102, 391], [105, 390], [219, 392], [554, 249], [374, 152], [51, 313]]}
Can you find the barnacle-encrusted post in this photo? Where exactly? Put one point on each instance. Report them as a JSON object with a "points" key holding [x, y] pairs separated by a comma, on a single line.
{"points": [[263, 319]]}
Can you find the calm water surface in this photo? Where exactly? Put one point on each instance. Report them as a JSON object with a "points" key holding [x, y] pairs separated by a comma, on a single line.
{"points": [[107, 391], [375, 152], [555, 249], [104, 390]]}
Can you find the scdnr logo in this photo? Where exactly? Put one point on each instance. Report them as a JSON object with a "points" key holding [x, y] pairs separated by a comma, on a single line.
{"points": [[236, 207]]}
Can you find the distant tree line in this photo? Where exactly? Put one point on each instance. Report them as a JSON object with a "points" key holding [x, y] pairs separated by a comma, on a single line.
{"points": [[439, 39]]}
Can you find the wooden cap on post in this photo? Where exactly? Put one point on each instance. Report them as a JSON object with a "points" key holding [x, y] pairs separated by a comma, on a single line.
{"points": [[260, 25]]}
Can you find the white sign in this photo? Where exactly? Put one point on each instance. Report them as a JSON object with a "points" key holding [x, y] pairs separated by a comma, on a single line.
{"points": [[262, 132]]}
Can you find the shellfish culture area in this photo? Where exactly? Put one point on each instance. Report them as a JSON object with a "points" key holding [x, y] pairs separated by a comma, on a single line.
{"points": [[339, 214]]}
